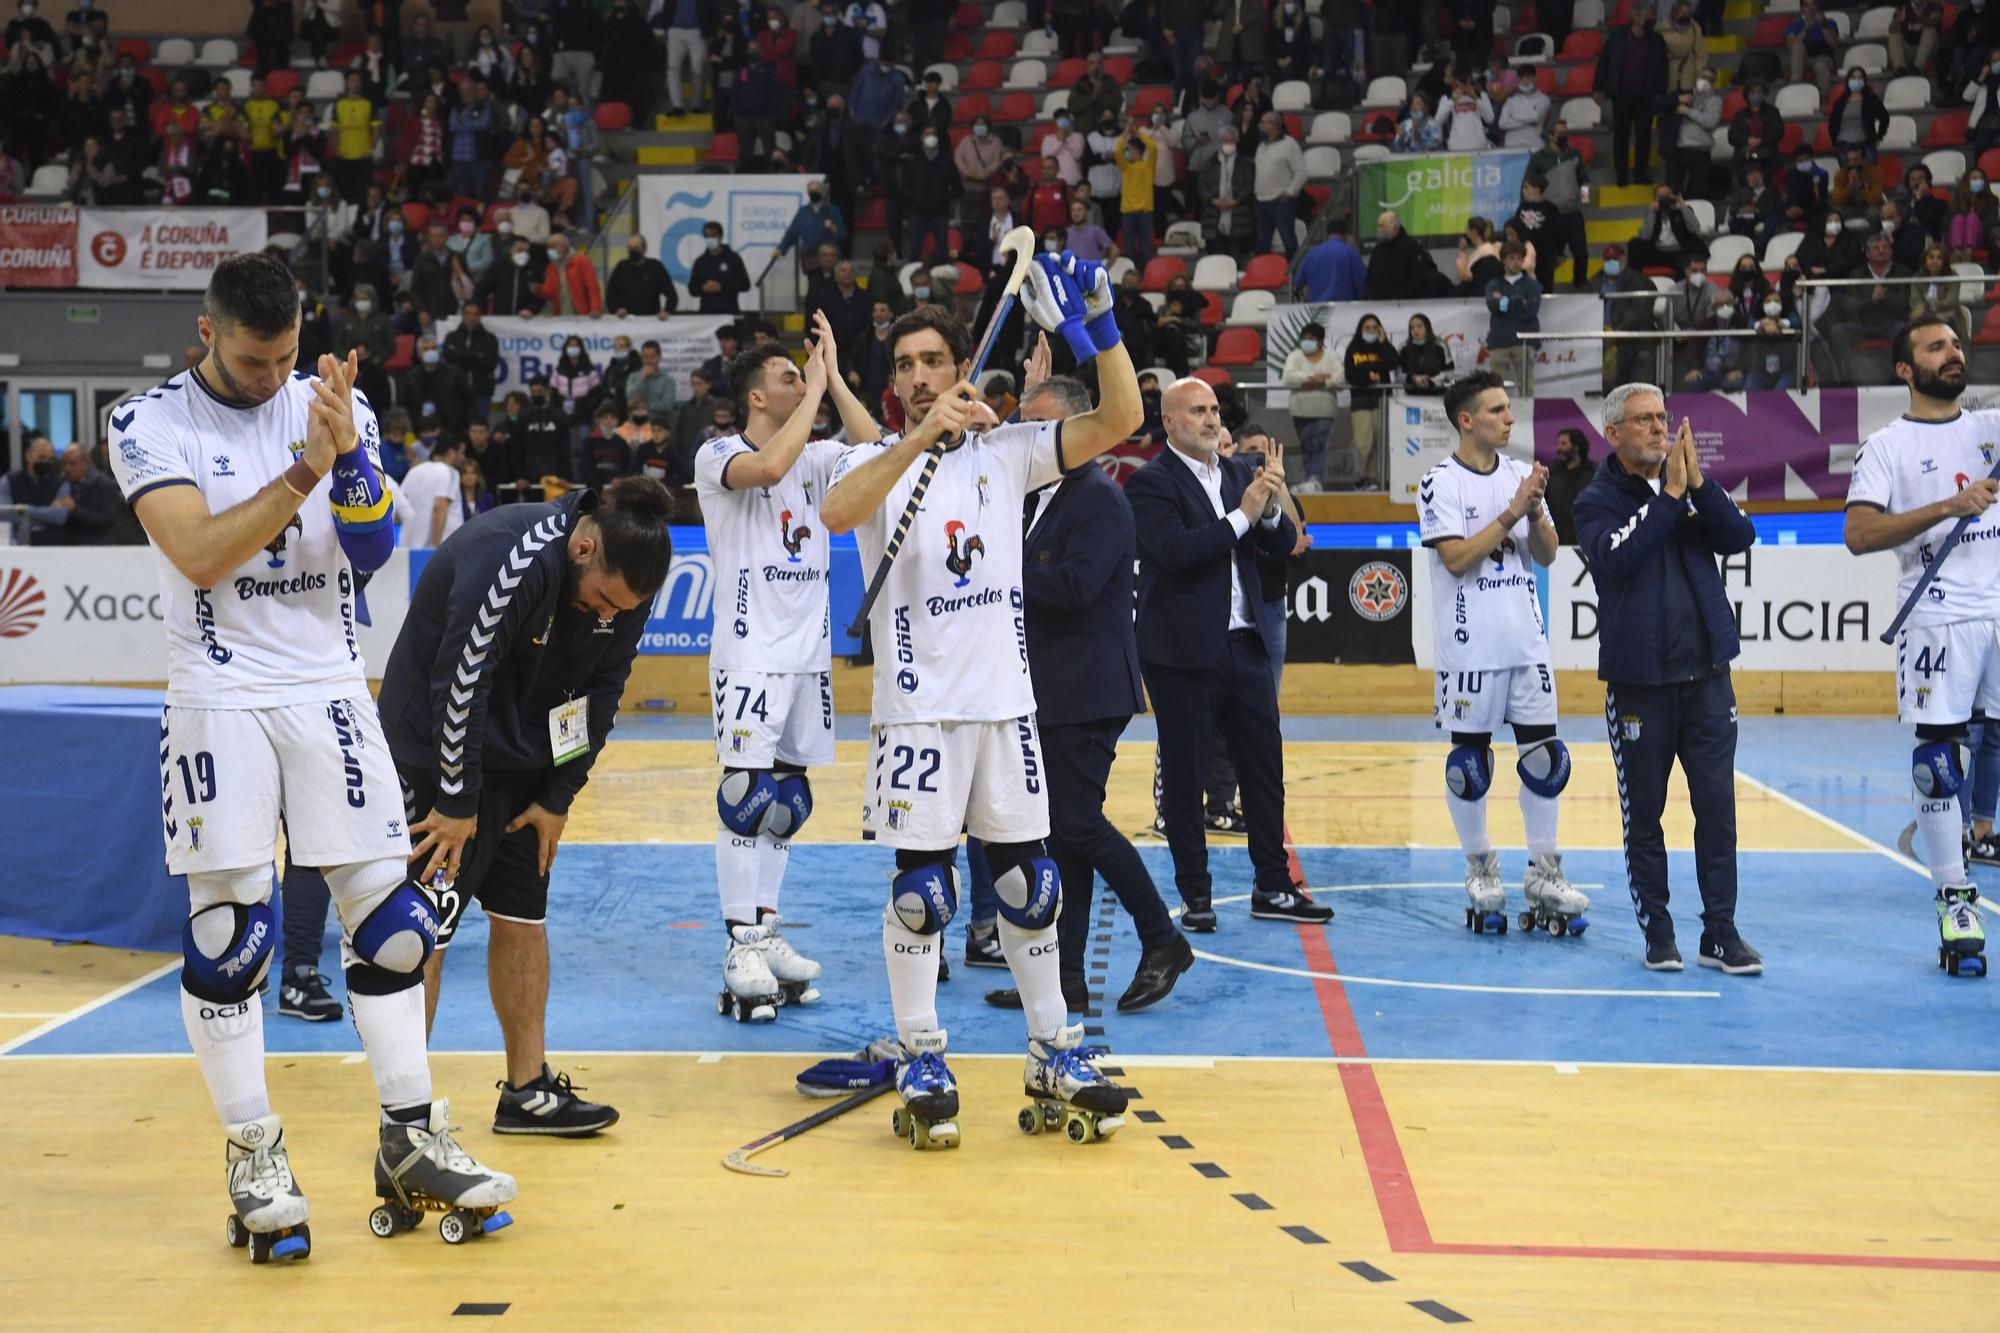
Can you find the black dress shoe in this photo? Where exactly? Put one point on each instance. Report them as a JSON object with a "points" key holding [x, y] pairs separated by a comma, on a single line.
{"points": [[1076, 994], [1159, 969], [1198, 917]]}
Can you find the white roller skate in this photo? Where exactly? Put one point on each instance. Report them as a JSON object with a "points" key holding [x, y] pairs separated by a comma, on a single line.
{"points": [[1554, 903], [1486, 908], [421, 1168], [270, 1214], [928, 1117], [1961, 937], [795, 973], [1068, 1092], [750, 994]]}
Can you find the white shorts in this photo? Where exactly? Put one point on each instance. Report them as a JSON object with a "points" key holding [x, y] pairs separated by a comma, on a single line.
{"points": [[764, 718], [931, 781], [1943, 672], [227, 774], [1484, 700]]}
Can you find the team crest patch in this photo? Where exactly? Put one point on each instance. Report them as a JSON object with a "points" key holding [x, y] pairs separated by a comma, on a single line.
{"points": [[1629, 726], [1986, 453], [983, 500], [737, 739], [899, 814], [1461, 709], [1378, 591], [194, 834], [1923, 695]]}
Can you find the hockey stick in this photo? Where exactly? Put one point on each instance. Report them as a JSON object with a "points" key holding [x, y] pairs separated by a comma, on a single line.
{"points": [[1930, 570], [1020, 245], [740, 1159]]}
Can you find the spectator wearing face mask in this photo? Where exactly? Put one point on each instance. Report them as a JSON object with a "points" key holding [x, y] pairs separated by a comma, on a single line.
{"points": [[510, 286], [1857, 118], [817, 222], [1973, 214], [977, 158], [1618, 279], [1719, 363], [1756, 133], [1104, 172], [433, 387], [717, 277], [365, 324], [1753, 208], [930, 187], [1065, 144], [1311, 373], [1139, 159], [1368, 369], [639, 284], [1697, 112], [542, 438], [570, 284], [1829, 251]]}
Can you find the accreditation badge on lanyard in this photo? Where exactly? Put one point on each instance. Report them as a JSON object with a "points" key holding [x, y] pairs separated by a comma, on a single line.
{"points": [[569, 729]]}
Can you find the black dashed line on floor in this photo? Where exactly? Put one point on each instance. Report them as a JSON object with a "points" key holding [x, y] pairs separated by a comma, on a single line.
{"points": [[1367, 1272], [1093, 1030], [1211, 1170], [1111, 1071], [1304, 1235], [1252, 1202], [1148, 1117], [481, 1308], [1176, 1142], [1441, 1312]]}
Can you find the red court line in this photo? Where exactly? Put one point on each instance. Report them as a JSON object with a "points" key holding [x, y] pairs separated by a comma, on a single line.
{"points": [[1396, 1190]]}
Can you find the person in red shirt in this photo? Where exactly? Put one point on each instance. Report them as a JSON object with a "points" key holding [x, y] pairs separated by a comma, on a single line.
{"points": [[778, 43], [1048, 201], [175, 108], [570, 284]]}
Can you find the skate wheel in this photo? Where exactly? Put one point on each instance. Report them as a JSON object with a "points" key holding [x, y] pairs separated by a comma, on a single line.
{"points": [[722, 1004], [496, 1222], [235, 1232], [1078, 1129], [896, 1123], [455, 1228], [1500, 924], [1029, 1121], [1051, 1116], [383, 1222], [1527, 921], [1559, 927]]}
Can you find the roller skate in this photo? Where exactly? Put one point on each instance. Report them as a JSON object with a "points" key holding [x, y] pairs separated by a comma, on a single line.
{"points": [[421, 1169], [750, 994], [1067, 1092], [794, 972], [928, 1117], [270, 1214], [1553, 902], [1486, 912], [1961, 938]]}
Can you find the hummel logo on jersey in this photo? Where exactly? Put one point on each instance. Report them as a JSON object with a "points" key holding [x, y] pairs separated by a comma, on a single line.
{"points": [[1470, 513], [276, 546], [1929, 465], [793, 538], [221, 462], [957, 560]]}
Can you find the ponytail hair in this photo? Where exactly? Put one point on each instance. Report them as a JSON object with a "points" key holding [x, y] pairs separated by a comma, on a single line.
{"points": [[632, 520]]}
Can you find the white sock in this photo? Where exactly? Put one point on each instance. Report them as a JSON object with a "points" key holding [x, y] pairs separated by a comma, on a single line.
{"points": [[392, 1033], [772, 858], [1539, 814], [913, 968], [1036, 962], [228, 1041], [1469, 818], [737, 874], [1940, 838]]}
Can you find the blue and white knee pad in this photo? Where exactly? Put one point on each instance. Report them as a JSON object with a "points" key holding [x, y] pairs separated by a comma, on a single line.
{"points": [[226, 948], [392, 925], [924, 898], [1468, 771], [755, 801], [1027, 884], [1543, 766], [1937, 767]]}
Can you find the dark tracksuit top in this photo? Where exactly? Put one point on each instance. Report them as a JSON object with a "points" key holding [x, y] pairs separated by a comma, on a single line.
{"points": [[1666, 634], [490, 646]]}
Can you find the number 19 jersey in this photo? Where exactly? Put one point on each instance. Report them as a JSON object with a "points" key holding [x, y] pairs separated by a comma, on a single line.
{"points": [[769, 551]]}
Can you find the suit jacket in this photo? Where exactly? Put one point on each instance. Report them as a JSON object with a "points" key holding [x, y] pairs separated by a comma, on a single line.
{"points": [[1184, 557], [1076, 586]]}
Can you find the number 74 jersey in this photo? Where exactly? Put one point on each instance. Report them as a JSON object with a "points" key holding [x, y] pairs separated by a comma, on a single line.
{"points": [[769, 551]]}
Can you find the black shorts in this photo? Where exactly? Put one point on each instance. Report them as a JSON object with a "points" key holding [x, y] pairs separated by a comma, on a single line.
{"points": [[500, 869]]}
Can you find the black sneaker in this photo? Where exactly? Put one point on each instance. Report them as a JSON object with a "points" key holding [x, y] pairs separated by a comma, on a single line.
{"points": [[303, 995], [549, 1105], [1730, 953], [944, 967], [1228, 822], [1983, 851], [1156, 829], [982, 949], [1198, 917], [1662, 956], [1286, 905]]}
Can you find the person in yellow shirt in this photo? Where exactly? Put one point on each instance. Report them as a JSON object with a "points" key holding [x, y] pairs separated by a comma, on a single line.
{"points": [[355, 129], [1138, 164], [267, 168]]}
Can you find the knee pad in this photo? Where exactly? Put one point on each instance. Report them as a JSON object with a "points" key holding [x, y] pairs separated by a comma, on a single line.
{"points": [[795, 799], [1468, 772], [227, 943], [1938, 767], [391, 924], [1026, 883], [925, 897], [1544, 767], [750, 803]]}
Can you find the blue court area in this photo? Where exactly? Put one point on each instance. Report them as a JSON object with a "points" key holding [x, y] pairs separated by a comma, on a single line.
{"points": [[1848, 937]]}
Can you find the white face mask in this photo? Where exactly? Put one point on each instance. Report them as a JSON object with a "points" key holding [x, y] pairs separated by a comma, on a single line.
{"points": [[1371, 337], [1832, 229], [930, 141], [1702, 85], [1774, 308], [363, 306], [520, 258], [1724, 311], [1856, 85], [1309, 345]]}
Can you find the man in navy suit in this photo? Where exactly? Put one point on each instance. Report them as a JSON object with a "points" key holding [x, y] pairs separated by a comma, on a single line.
{"points": [[1201, 520]]}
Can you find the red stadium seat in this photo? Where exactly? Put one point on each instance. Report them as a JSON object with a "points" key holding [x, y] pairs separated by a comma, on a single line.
{"points": [[995, 46], [1211, 310], [970, 17], [1583, 44], [280, 82], [417, 216], [1120, 68], [1524, 22], [1238, 347], [1794, 135], [405, 354], [613, 116], [1948, 130], [957, 48], [1017, 109], [1733, 101], [1145, 99], [138, 48], [1066, 74], [1545, 79], [1294, 124], [969, 281], [1989, 162], [156, 76], [1771, 30], [1316, 197], [1266, 273], [873, 216], [1577, 79], [1159, 270], [1822, 142], [969, 107], [1989, 328], [1212, 375], [1586, 148], [981, 77], [344, 54], [722, 148]]}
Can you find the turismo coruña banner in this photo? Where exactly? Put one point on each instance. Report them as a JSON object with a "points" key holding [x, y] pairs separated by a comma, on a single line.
{"points": [[1437, 193], [753, 210]]}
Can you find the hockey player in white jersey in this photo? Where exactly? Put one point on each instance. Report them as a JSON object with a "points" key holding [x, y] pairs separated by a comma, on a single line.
{"points": [[770, 660], [1913, 480], [952, 734], [261, 489], [1483, 518]]}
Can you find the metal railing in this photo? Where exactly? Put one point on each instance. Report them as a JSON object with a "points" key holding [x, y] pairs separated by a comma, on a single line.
{"points": [[1662, 340], [1958, 281]]}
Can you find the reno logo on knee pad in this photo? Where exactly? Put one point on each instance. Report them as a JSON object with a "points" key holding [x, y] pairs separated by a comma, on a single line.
{"points": [[253, 947]]}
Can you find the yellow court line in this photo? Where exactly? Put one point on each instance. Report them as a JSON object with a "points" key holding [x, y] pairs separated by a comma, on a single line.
{"points": [[118, 993]]}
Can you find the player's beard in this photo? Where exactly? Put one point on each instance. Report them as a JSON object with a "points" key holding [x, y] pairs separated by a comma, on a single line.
{"points": [[1935, 385], [236, 392]]}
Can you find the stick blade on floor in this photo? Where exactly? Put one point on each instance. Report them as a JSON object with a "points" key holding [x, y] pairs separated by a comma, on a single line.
{"points": [[739, 1160]]}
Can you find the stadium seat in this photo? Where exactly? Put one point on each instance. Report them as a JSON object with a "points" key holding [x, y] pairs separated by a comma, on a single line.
{"points": [[1545, 79], [1119, 268], [1323, 163], [1581, 45], [1588, 14], [1577, 81], [1770, 30], [722, 148], [417, 216], [1215, 273], [1331, 127], [1017, 110], [1238, 347], [1144, 100], [970, 17], [947, 76], [981, 76], [1780, 248], [957, 46], [174, 52], [1292, 95], [404, 355], [1901, 134], [138, 48], [1373, 152], [1989, 162], [1387, 91], [1215, 376], [216, 53], [324, 85], [1009, 14], [1581, 114], [1874, 23], [1989, 328], [48, 182], [1183, 239], [1724, 251], [1870, 57], [994, 46], [612, 116], [968, 107], [1702, 211], [1252, 309], [1798, 101], [969, 281], [1040, 43], [1536, 48], [1295, 124], [1159, 270], [1266, 273], [1909, 93], [1067, 74], [280, 82], [1028, 74], [1120, 68], [1947, 165], [1055, 104], [1948, 129], [238, 79]]}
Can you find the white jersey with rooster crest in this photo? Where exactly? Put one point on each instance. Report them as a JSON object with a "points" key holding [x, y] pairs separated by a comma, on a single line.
{"points": [[950, 642], [769, 551]]}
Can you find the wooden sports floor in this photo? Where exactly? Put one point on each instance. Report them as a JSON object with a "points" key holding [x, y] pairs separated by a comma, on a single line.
{"points": [[1386, 1123]]}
